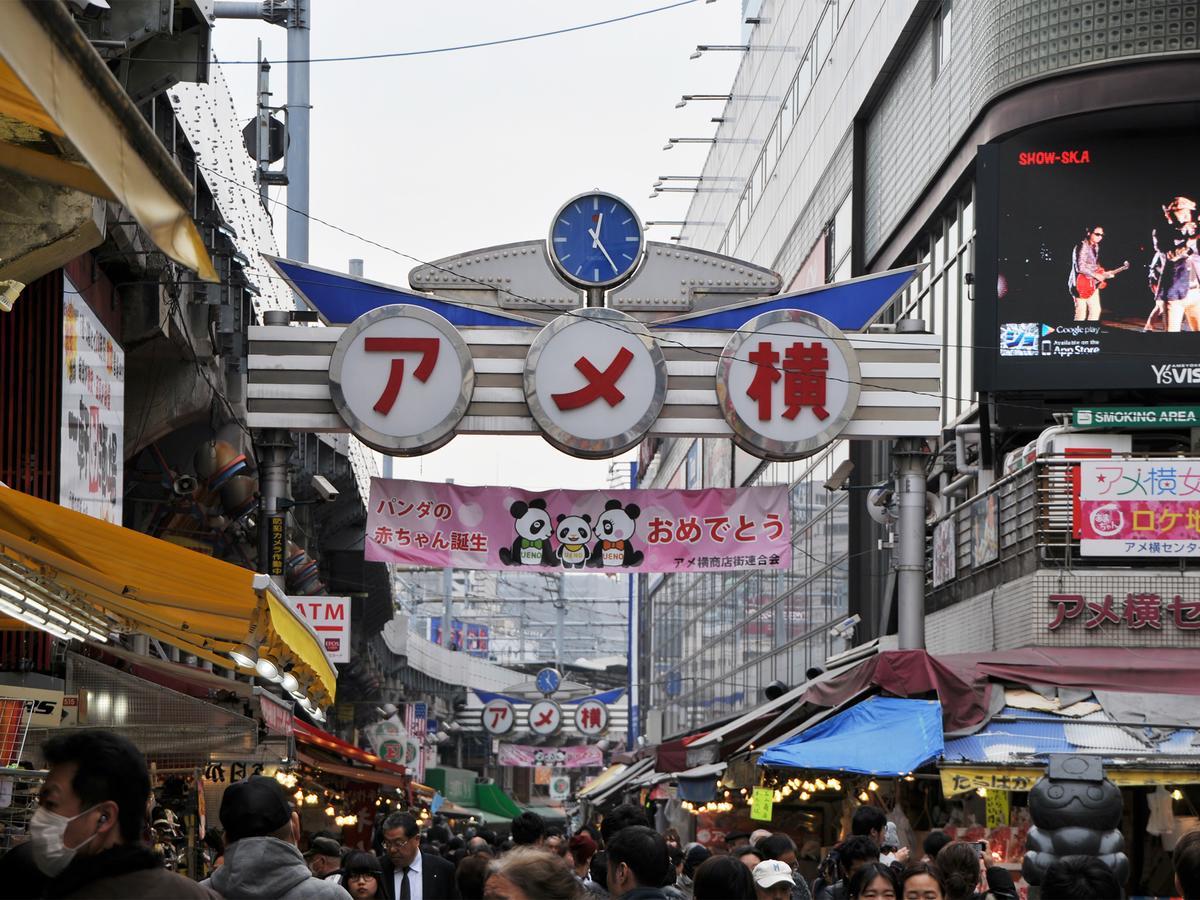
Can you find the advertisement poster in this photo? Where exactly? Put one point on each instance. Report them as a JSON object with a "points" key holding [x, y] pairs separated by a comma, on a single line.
{"points": [[985, 530], [437, 524], [92, 459], [529, 757], [1087, 257], [944, 551], [1141, 508]]}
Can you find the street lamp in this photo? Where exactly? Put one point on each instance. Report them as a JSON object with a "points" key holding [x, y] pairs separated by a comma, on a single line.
{"points": [[671, 142], [683, 101], [701, 49]]}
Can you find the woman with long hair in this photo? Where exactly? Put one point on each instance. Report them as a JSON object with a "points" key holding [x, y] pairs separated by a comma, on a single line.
{"points": [[959, 863]]}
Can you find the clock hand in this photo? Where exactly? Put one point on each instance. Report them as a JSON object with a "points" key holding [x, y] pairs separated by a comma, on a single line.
{"points": [[606, 256], [596, 234]]}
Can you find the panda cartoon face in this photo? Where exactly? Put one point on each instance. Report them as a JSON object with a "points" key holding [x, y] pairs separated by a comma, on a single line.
{"points": [[532, 546], [614, 529], [573, 530], [533, 523], [573, 533]]}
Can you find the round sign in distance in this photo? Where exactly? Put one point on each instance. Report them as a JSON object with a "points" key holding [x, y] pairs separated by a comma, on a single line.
{"points": [[814, 392], [560, 787], [498, 717], [545, 717], [401, 377], [595, 382], [591, 717]]}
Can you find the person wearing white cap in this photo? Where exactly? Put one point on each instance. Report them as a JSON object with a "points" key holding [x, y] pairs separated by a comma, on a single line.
{"points": [[773, 880]]}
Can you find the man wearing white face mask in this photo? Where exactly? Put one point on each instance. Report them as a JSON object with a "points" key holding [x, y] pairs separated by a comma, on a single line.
{"points": [[86, 833]]}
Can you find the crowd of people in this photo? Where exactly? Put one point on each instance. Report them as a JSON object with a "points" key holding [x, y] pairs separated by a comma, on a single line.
{"points": [[89, 838]]}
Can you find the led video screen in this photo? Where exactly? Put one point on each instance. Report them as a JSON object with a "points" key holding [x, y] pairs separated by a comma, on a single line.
{"points": [[1088, 270]]}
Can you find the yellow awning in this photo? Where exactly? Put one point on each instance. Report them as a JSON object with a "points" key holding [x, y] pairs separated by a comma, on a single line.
{"points": [[65, 119], [601, 780], [965, 779], [140, 583]]}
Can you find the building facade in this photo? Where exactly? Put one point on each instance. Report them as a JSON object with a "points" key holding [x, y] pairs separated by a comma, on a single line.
{"points": [[860, 135]]}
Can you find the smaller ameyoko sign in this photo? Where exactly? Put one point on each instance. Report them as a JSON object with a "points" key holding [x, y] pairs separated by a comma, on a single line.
{"points": [[1139, 507], [498, 717], [329, 617]]}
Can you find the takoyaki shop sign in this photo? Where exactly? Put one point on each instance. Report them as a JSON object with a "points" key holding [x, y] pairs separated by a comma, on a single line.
{"points": [[442, 525]]}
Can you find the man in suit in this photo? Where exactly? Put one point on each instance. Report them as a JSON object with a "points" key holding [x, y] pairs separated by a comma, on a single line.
{"points": [[409, 874]]}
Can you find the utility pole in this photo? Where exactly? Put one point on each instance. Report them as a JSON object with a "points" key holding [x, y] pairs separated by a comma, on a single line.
{"points": [[447, 598], [275, 488], [299, 22], [560, 607], [263, 126], [910, 455]]}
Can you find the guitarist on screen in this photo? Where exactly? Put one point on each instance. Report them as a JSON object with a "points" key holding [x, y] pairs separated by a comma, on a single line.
{"points": [[1087, 277], [1173, 270]]}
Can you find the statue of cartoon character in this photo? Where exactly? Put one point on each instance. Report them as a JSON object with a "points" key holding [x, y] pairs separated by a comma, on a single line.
{"points": [[1075, 812]]}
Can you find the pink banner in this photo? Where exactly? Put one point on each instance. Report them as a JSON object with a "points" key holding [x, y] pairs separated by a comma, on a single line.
{"points": [[441, 525], [574, 757], [1139, 507]]}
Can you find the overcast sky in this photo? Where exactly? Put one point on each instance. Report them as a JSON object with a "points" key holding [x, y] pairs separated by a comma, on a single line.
{"points": [[438, 154]]}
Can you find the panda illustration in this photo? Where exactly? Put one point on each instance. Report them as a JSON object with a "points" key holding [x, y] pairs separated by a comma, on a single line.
{"points": [[532, 546], [614, 527], [573, 533]]}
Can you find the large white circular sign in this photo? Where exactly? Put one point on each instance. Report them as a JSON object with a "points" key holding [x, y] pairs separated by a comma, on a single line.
{"points": [[545, 717], [401, 377], [498, 717], [595, 381], [591, 717], [787, 384]]}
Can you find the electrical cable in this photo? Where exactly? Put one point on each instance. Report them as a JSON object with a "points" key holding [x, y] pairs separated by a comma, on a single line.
{"points": [[496, 42]]}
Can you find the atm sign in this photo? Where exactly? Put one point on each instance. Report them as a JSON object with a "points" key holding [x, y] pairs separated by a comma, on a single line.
{"points": [[329, 617]]}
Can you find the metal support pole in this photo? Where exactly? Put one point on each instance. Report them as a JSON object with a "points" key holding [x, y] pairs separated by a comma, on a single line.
{"points": [[447, 599], [298, 105], [910, 542], [560, 608], [595, 296], [263, 128]]}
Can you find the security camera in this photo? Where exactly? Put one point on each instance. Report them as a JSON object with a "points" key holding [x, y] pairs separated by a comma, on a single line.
{"points": [[10, 290], [325, 488], [840, 476], [845, 628]]}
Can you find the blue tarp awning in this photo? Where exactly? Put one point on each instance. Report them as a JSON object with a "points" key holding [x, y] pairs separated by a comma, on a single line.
{"points": [[879, 736]]}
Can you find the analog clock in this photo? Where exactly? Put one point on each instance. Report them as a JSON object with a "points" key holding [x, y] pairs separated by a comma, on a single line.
{"points": [[596, 240]]}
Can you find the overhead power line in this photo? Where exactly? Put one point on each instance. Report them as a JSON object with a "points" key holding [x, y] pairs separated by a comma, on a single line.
{"points": [[454, 48]]}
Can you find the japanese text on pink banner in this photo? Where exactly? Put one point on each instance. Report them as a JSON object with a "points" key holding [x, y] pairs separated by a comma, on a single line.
{"points": [[1139, 507], [442, 525]]}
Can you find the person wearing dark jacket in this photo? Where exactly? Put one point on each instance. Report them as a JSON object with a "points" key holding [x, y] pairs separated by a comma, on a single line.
{"points": [[262, 859], [86, 834], [637, 864], [408, 872]]}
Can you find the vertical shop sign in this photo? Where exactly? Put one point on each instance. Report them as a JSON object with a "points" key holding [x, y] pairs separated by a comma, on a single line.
{"points": [[997, 809], [277, 538], [92, 456], [761, 802]]}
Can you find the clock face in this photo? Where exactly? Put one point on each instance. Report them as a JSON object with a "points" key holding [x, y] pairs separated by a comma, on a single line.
{"points": [[548, 681], [596, 240]]}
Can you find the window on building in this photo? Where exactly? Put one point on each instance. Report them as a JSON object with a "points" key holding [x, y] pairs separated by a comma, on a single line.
{"points": [[837, 242], [942, 32]]}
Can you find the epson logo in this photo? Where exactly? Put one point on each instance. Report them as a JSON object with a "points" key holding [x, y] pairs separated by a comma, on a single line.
{"points": [[1177, 373]]}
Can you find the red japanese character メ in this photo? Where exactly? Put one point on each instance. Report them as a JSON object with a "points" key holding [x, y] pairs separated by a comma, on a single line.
{"points": [[600, 384], [427, 347]]}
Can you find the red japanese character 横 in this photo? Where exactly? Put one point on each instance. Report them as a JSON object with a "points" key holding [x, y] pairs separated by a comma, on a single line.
{"points": [[1143, 611], [805, 369]]}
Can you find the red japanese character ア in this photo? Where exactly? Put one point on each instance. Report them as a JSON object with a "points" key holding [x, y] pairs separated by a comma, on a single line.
{"points": [[427, 347]]}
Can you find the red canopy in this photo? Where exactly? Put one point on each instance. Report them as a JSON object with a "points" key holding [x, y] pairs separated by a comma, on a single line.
{"points": [[310, 734]]}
